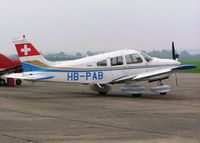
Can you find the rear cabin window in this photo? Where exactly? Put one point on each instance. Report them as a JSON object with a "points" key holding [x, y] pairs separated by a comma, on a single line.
{"points": [[116, 61], [133, 59], [102, 63]]}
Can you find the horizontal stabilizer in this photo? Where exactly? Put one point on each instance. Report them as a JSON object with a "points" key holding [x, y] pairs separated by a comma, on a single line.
{"points": [[29, 76]]}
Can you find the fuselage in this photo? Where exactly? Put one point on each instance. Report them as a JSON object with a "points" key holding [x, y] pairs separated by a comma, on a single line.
{"points": [[102, 68]]}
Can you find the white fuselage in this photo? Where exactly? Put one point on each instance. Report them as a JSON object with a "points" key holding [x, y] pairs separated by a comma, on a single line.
{"points": [[94, 70]]}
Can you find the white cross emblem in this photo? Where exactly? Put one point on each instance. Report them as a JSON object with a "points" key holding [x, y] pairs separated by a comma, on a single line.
{"points": [[25, 50]]}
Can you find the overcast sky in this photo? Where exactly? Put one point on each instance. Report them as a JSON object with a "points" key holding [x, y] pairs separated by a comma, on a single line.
{"points": [[101, 25]]}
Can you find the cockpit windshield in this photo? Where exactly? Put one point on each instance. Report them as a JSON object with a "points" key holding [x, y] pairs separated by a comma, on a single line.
{"points": [[146, 57]]}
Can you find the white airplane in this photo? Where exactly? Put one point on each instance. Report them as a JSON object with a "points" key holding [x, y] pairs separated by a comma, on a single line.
{"points": [[100, 71]]}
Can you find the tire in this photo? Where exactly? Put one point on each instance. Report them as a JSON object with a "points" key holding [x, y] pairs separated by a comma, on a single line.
{"points": [[18, 82], [136, 95], [102, 93], [2, 82], [163, 93]]}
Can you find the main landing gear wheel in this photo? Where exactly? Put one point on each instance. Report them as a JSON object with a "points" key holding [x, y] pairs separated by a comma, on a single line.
{"points": [[136, 95], [102, 89], [136, 90], [2, 82], [102, 93], [163, 93], [18, 82]]}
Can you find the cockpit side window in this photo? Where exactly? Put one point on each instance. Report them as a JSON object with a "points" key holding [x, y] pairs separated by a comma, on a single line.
{"points": [[116, 61], [102, 63], [133, 59], [146, 57]]}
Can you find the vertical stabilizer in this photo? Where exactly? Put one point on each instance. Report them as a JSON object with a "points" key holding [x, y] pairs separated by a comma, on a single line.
{"points": [[29, 56]]}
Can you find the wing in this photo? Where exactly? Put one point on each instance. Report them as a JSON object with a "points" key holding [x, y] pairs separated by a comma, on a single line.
{"points": [[153, 75], [32, 76], [10, 70]]}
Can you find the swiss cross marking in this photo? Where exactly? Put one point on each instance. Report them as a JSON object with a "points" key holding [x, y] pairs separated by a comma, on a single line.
{"points": [[25, 50]]}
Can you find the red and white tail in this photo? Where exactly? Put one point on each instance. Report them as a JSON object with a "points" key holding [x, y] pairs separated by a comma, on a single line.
{"points": [[28, 54], [25, 48]]}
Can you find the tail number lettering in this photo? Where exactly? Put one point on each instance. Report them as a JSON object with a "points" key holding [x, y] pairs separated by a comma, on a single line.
{"points": [[75, 76]]}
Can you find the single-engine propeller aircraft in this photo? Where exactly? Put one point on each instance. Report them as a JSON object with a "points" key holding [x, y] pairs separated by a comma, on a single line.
{"points": [[100, 71], [7, 66]]}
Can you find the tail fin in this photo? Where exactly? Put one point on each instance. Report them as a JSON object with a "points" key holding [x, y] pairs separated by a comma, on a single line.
{"points": [[29, 56]]}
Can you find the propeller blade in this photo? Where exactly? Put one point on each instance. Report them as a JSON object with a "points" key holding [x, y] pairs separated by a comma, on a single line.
{"points": [[174, 55], [173, 51]]}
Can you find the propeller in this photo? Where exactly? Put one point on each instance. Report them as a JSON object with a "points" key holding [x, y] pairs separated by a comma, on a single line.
{"points": [[174, 57]]}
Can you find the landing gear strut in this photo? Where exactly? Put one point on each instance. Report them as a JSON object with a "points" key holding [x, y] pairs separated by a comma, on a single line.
{"points": [[159, 83]]}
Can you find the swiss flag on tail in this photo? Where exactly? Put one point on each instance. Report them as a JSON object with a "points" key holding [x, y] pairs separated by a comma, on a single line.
{"points": [[27, 54], [26, 49]]}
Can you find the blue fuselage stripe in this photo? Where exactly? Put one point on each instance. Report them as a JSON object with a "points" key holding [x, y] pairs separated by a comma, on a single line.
{"points": [[29, 67]]}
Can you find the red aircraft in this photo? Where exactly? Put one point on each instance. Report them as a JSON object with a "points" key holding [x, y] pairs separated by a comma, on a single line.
{"points": [[9, 66]]}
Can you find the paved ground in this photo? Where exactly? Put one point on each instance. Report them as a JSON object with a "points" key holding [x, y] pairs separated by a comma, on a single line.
{"points": [[55, 112]]}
